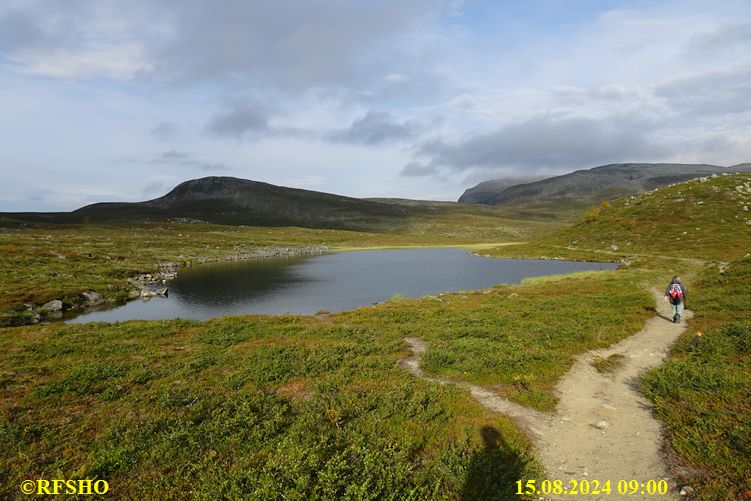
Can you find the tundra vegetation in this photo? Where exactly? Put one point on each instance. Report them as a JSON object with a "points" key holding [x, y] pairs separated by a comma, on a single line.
{"points": [[316, 407]]}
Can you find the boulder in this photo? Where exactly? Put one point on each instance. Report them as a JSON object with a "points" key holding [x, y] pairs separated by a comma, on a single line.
{"points": [[687, 491], [92, 298], [54, 305]]}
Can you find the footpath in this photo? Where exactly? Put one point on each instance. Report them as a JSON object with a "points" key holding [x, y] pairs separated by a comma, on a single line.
{"points": [[603, 428]]}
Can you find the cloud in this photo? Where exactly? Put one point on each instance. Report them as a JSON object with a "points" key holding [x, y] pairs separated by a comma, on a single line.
{"points": [[181, 158], [416, 169], [17, 30], [545, 142], [715, 93], [75, 40], [239, 120], [726, 39], [165, 131], [285, 44], [171, 156], [377, 128]]}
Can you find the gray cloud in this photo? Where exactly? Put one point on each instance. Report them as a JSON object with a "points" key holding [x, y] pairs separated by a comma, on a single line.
{"points": [[245, 120], [285, 44], [172, 155], [239, 120], [726, 92], [182, 158], [376, 128], [41, 25], [416, 169], [721, 40], [165, 131], [17, 29], [547, 142]]}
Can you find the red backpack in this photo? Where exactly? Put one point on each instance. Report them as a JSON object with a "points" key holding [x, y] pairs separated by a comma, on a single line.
{"points": [[676, 293]]}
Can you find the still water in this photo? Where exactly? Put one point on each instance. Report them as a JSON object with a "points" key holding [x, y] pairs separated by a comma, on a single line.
{"points": [[330, 282]]}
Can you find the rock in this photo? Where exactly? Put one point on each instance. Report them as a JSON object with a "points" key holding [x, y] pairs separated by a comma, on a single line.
{"points": [[54, 305], [601, 425], [162, 291], [92, 298], [687, 490], [134, 293], [614, 247]]}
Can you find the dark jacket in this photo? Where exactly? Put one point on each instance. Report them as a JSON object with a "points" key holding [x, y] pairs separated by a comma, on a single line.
{"points": [[683, 288]]}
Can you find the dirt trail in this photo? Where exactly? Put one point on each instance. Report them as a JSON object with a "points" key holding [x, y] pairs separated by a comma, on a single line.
{"points": [[603, 427]]}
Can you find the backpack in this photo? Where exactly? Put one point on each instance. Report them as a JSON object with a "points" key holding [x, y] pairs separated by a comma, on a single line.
{"points": [[676, 293]]}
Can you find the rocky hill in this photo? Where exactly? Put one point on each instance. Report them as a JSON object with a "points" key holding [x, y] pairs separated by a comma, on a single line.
{"points": [[487, 190], [589, 186], [705, 218], [233, 201]]}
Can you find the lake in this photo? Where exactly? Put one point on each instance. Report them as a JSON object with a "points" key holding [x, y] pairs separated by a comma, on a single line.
{"points": [[329, 282]]}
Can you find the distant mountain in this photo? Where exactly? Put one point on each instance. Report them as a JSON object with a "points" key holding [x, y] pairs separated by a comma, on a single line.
{"points": [[488, 189], [593, 185], [233, 201]]}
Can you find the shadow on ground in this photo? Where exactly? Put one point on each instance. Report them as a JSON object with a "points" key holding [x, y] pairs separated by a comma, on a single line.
{"points": [[494, 471]]}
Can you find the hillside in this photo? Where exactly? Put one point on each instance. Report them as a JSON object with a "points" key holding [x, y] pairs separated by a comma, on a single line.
{"points": [[588, 186], [240, 202], [233, 201], [706, 218], [700, 229], [487, 190]]}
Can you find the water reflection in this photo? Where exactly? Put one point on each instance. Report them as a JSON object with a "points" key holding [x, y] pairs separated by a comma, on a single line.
{"points": [[331, 282]]}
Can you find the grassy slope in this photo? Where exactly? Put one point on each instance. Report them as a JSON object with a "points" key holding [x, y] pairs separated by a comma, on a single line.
{"points": [[702, 396], [702, 220]]}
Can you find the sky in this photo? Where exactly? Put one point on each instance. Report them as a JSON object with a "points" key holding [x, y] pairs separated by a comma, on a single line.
{"points": [[121, 100]]}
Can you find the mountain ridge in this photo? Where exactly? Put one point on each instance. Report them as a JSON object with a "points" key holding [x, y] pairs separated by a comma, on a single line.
{"points": [[598, 183], [242, 202]]}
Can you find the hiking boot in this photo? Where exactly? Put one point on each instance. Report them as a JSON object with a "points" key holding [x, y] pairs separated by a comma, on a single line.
{"points": [[675, 318]]}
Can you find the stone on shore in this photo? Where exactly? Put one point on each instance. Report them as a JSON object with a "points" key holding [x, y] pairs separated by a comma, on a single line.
{"points": [[54, 305]]}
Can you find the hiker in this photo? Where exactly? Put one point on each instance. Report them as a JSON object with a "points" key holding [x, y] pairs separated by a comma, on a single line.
{"points": [[676, 293]]}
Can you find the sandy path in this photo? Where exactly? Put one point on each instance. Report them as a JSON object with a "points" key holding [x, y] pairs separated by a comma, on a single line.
{"points": [[603, 427]]}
